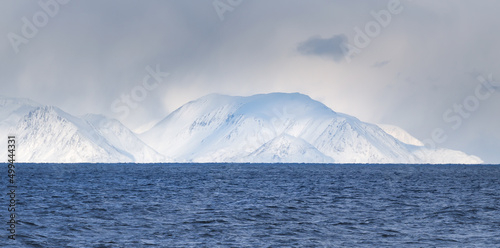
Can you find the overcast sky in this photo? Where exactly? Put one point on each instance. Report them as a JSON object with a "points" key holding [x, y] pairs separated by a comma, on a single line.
{"points": [[405, 64]]}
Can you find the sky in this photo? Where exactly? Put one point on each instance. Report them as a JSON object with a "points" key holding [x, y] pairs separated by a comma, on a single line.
{"points": [[430, 67]]}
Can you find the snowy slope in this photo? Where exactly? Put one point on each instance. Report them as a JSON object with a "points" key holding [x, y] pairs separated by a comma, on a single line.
{"points": [[275, 127], [437, 156], [48, 134], [223, 129], [11, 111], [445, 156], [287, 149], [219, 128], [123, 139], [400, 134]]}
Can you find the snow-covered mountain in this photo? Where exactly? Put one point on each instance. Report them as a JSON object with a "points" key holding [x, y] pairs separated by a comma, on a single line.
{"points": [[281, 127], [48, 134], [400, 134], [123, 139], [11, 111], [269, 128], [287, 149]]}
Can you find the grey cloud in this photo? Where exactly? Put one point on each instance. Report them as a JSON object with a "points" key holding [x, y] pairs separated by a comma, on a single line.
{"points": [[381, 63], [91, 53], [334, 47]]}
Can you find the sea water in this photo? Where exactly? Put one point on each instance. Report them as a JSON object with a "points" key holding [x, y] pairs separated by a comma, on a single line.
{"points": [[254, 205]]}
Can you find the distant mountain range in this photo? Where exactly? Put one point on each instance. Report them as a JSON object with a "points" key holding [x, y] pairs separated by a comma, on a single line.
{"points": [[267, 128]]}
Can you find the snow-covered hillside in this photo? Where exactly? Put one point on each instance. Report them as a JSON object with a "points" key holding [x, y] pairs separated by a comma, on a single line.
{"points": [[277, 127], [287, 149], [121, 138], [11, 111], [48, 134], [269, 128], [401, 134]]}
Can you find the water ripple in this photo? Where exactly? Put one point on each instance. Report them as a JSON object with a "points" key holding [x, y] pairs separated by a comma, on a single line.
{"points": [[257, 206]]}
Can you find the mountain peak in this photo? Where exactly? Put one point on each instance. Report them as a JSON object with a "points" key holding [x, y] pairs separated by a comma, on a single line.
{"points": [[274, 127], [221, 128]]}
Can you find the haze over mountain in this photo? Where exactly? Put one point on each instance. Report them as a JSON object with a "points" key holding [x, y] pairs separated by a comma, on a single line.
{"points": [[269, 128]]}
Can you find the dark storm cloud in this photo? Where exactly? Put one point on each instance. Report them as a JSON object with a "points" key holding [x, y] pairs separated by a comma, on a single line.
{"points": [[334, 47]]}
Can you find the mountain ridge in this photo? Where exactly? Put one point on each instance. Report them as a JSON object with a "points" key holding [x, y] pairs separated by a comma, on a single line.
{"points": [[218, 128], [263, 128]]}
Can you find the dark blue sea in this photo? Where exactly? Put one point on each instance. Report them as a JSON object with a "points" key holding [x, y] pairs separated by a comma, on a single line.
{"points": [[258, 205]]}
